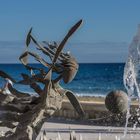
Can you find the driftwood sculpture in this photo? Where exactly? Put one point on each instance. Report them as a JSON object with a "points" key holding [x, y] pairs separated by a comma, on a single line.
{"points": [[23, 113]]}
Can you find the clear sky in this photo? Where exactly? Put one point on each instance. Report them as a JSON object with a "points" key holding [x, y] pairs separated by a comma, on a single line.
{"points": [[107, 29]]}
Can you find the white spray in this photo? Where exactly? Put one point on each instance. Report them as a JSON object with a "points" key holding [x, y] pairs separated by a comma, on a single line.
{"points": [[132, 73]]}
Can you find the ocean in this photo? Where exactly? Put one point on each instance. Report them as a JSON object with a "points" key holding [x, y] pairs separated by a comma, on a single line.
{"points": [[91, 80]]}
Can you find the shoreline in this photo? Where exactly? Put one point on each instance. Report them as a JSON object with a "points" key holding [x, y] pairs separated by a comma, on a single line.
{"points": [[98, 99]]}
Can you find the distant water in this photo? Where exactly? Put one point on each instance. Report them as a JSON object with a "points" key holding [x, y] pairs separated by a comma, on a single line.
{"points": [[91, 79]]}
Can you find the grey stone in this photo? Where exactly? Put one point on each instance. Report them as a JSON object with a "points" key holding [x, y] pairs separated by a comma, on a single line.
{"points": [[117, 101]]}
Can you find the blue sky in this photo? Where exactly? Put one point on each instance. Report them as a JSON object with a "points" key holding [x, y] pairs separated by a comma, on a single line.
{"points": [[107, 29]]}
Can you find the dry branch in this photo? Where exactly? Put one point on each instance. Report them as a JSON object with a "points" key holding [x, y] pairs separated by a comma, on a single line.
{"points": [[26, 113]]}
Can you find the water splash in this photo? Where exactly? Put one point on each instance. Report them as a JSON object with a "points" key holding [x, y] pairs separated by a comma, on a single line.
{"points": [[129, 83], [99, 136], [117, 137], [80, 137], [132, 73]]}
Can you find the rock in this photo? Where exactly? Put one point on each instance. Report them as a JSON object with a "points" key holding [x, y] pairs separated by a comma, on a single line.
{"points": [[117, 101]]}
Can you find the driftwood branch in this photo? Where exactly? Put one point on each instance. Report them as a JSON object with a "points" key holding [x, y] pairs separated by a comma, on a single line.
{"points": [[25, 113]]}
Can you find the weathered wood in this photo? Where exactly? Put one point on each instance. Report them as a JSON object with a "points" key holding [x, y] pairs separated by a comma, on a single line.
{"points": [[32, 120], [5, 98], [30, 112], [9, 116], [8, 124]]}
